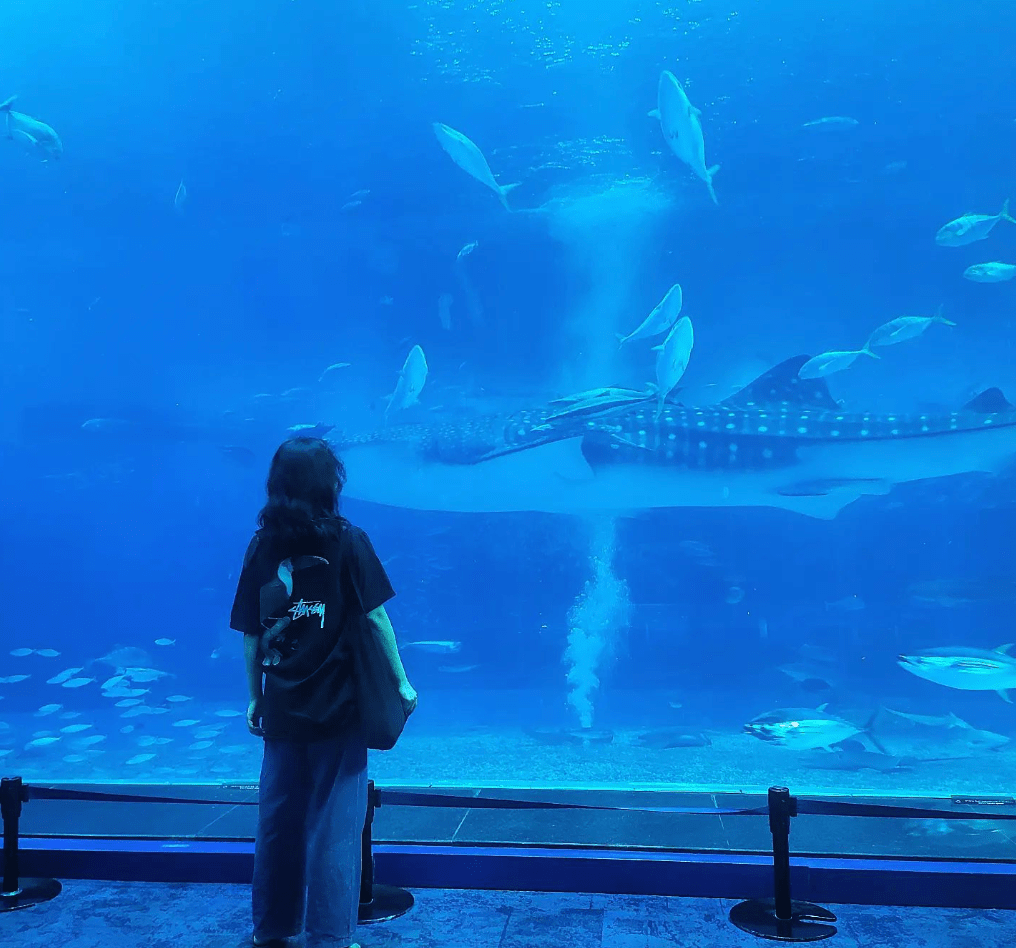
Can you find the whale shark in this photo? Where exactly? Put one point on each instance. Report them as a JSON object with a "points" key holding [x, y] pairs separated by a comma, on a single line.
{"points": [[782, 442]]}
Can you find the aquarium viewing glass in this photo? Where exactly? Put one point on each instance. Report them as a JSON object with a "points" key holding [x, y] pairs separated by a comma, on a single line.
{"points": [[667, 345]]}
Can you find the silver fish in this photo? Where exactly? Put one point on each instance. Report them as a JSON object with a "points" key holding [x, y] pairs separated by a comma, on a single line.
{"points": [[827, 363], [144, 675], [832, 121], [993, 272], [662, 318], [804, 728], [681, 125], [470, 159], [903, 328], [672, 360], [435, 648], [967, 669], [930, 720], [411, 381], [41, 742], [30, 131], [971, 227]]}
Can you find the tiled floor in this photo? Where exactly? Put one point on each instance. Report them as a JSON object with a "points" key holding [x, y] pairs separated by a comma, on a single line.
{"points": [[124, 915]]}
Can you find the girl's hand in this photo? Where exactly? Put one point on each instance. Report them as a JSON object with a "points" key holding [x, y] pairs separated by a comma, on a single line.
{"points": [[254, 718], [409, 697]]}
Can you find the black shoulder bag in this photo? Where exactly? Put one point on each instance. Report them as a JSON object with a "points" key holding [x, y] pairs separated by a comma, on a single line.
{"points": [[375, 682]]}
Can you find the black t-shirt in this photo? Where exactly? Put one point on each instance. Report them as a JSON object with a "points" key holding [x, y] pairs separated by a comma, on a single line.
{"points": [[324, 587]]}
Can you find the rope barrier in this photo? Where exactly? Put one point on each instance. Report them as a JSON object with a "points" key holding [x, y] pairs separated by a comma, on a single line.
{"points": [[780, 918], [426, 799]]}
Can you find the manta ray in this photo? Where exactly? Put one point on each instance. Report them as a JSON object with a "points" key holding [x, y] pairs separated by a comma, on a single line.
{"points": [[781, 441]]}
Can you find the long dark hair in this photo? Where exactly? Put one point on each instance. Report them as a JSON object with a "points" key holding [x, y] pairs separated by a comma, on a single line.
{"points": [[304, 483]]}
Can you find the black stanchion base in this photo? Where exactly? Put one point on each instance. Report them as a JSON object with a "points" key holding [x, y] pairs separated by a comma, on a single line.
{"points": [[32, 892], [807, 922], [387, 902]]}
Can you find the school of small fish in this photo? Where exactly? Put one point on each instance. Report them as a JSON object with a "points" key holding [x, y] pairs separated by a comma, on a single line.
{"points": [[131, 665]]}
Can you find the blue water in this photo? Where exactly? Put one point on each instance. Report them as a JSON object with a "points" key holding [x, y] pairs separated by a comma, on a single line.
{"points": [[321, 225]]}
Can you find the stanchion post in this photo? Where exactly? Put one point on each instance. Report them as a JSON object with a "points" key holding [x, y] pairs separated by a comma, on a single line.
{"points": [[12, 795], [781, 918], [782, 807], [17, 893], [378, 903]]}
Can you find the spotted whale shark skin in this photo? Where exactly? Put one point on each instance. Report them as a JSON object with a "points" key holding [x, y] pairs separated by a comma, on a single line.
{"points": [[781, 442]]}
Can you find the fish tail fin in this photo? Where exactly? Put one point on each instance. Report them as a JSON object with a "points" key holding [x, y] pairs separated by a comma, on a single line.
{"points": [[867, 730], [867, 351], [1005, 215], [709, 183], [5, 106], [939, 318], [505, 190]]}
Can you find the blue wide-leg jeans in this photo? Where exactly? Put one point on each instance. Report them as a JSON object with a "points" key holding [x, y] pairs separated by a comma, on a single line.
{"points": [[311, 810]]}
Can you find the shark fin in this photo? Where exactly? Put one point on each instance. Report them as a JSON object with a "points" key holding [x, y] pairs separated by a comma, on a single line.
{"points": [[558, 457], [1004, 649], [654, 114], [1004, 695], [989, 402], [5, 106], [782, 385], [565, 461], [822, 707]]}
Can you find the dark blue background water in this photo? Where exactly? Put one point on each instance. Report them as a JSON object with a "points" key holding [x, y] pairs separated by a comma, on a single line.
{"points": [[275, 114]]}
